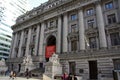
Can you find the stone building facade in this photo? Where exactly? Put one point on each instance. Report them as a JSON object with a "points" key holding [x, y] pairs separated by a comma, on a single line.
{"points": [[85, 33]]}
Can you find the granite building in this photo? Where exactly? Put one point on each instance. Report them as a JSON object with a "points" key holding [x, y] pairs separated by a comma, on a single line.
{"points": [[85, 34]]}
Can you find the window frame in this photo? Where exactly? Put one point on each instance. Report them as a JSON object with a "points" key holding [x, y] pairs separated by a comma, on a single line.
{"points": [[91, 23], [108, 5], [73, 17], [92, 44], [90, 12], [111, 18], [115, 39], [74, 28]]}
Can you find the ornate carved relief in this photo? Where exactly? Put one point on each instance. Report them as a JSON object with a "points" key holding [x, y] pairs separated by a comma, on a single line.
{"points": [[91, 32], [73, 36], [112, 28]]}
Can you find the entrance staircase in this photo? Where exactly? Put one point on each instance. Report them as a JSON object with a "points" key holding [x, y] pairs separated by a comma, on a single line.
{"points": [[35, 73]]}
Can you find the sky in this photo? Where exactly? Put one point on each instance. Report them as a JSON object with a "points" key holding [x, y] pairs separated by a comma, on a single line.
{"points": [[35, 3]]}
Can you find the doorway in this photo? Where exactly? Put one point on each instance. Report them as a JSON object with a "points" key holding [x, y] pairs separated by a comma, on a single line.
{"points": [[93, 70], [72, 67], [19, 65], [50, 47]]}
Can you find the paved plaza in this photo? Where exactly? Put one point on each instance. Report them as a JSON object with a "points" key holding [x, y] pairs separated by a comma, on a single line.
{"points": [[17, 78]]}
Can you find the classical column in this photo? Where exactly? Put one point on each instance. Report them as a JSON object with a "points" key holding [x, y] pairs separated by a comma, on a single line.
{"points": [[14, 45], [37, 39], [59, 34], [118, 10], [81, 30], [101, 25], [65, 33], [28, 42], [21, 42], [41, 39]]}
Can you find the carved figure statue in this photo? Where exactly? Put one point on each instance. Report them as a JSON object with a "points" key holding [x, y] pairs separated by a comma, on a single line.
{"points": [[27, 60], [54, 58], [2, 62]]}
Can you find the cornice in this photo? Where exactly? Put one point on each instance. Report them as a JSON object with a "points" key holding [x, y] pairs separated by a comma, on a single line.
{"points": [[65, 6]]}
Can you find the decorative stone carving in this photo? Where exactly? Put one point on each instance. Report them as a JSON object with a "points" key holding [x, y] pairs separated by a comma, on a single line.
{"points": [[52, 68], [3, 66], [27, 63], [27, 60]]}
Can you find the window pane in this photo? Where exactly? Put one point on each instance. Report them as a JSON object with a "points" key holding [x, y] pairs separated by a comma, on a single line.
{"points": [[73, 17], [109, 5], [92, 42], [51, 23], [90, 11], [90, 23], [74, 28], [115, 39], [111, 19]]}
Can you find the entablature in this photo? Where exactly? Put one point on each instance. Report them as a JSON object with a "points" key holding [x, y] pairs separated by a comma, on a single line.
{"points": [[66, 6]]}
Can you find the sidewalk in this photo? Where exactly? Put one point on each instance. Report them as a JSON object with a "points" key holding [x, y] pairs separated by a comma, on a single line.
{"points": [[17, 78]]}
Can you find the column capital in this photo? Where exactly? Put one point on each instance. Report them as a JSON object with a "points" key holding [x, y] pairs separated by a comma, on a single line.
{"points": [[80, 8], [98, 2]]}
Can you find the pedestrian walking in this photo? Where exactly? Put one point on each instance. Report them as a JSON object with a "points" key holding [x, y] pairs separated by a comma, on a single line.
{"points": [[65, 76], [12, 75], [27, 73]]}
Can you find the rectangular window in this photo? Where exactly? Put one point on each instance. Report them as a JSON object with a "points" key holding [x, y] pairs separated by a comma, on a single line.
{"points": [[73, 45], [25, 41], [26, 32], [73, 17], [51, 23], [116, 64], [90, 23], [111, 19], [32, 51], [34, 37], [109, 5], [34, 29], [17, 53], [90, 12], [74, 28], [18, 42], [46, 24], [92, 42], [115, 39], [23, 52]]}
